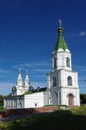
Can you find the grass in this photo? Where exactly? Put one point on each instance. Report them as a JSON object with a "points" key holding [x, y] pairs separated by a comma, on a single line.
{"points": [[58, 120], [79, 111]]}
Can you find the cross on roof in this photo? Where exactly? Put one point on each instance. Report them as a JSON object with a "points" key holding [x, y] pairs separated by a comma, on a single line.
{"points": [[60, 22]]}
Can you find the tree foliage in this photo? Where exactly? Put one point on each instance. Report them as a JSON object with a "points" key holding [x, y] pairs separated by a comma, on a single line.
{"points": [[83, 98]]}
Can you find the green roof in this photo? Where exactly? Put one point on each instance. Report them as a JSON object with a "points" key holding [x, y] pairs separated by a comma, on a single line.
{"points": [[60, 43]]}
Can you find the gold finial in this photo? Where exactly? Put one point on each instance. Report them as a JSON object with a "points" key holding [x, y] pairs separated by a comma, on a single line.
{"points": [[60, 22]]}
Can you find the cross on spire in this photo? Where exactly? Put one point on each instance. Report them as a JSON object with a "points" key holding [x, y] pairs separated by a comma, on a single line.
{"points": [[60, 22], [26, 71]]}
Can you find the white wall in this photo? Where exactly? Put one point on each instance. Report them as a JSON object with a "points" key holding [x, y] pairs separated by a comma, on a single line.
{"points": [[34, 100], [64, 96], [64, 75]]}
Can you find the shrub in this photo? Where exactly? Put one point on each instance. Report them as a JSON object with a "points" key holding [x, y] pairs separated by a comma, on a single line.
{"points": [[79, 110]]}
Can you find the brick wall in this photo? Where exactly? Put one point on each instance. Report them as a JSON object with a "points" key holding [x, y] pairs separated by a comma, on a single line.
{"points": [[2, 114], [31, 110]]}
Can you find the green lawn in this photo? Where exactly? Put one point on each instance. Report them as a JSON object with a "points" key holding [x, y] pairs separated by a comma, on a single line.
{"points": [[75, 119]]}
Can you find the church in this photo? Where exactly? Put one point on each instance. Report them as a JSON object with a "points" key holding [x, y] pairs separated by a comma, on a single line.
{"points": [[62, 88]]}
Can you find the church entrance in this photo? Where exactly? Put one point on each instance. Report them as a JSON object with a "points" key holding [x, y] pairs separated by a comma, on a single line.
{"points": [[70, 100]]}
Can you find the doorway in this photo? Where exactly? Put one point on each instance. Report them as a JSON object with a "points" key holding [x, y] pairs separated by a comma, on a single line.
{"points": [[70, 99]]}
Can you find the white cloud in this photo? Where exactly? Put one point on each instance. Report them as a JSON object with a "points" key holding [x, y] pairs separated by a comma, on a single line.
{"points": [[3, 71], [40, 84], [32, 64], [23, 66], [5, 88], [42, 70], [42, 64], [82, 33], [80, 68], [27, 65], [43, 76]]}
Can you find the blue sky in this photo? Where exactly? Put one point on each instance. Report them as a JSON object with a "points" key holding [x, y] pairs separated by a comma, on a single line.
{"points": [[28, 33]]}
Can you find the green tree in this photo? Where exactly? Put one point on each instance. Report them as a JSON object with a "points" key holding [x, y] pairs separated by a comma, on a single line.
{"points": [[83, 98]]}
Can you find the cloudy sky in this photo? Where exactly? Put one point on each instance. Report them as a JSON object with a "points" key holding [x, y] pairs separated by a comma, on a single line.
{"points": [[28, 33]]}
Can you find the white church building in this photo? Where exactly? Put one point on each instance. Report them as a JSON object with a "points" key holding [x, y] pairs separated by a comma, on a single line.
{"points": [[62, 88]]}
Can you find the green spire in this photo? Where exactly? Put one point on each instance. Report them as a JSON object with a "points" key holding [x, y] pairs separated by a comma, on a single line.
{"points": [[60, 43]]}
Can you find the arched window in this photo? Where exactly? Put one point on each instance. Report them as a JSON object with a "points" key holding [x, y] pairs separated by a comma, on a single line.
{"points": [[69, 81], [68, 62], [54, 81], [55, 63]]}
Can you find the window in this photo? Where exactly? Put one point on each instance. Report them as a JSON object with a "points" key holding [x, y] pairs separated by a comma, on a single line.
{"points": [[35, 104], [68, 62], [55, 63], [69, 81], [54, 81]]}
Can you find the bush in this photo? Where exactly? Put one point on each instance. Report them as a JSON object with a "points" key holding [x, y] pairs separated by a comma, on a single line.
{"points": [[1, 109], [79, 110]]}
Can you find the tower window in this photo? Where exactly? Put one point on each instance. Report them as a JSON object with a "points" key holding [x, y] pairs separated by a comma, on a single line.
{"points": [[69, 81], [54, 81], [55, 63], [68, 62]]}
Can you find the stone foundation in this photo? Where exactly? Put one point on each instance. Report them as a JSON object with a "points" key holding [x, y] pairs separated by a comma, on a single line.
{"points": [[31, 110]]}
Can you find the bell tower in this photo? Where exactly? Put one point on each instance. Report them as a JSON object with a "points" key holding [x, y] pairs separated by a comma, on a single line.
{"points": [[62, 81], [62, 59]]}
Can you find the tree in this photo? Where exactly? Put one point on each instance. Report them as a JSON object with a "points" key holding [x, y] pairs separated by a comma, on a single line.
{"points": [[1, 100], [83, 98], [31, 88], [38, 89]]}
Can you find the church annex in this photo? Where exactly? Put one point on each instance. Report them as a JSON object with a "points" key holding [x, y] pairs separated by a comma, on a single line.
{"points": [[62, 86]]}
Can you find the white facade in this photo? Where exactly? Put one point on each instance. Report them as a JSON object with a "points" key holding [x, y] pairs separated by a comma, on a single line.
{"points": [[62, 86], [21, 87], [26, 101], [35, 100]]}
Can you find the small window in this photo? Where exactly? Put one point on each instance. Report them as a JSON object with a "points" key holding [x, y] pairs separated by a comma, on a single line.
{"points": [[35, 104], [68, 62], [55, 63], [69, 81], [54, 81]]}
